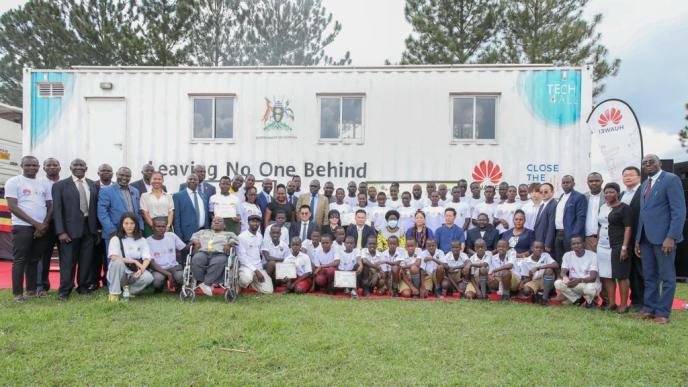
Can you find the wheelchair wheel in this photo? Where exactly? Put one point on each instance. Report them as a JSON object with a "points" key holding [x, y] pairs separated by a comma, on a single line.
{"points": [[232, 282], [188, 291]]}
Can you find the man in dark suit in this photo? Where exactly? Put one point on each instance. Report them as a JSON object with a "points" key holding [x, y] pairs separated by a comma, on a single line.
{"points": [[569, 217], [544, 221], [144, 184], [76, 224], [631, 196], [264, 197], [204, 188], [190, 209], [305, 226], [660, 229], [484, 231], [291, 190], [359, 230]]}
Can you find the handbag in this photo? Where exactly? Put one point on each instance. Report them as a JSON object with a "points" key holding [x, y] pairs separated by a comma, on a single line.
{"points": [[129, 266]]}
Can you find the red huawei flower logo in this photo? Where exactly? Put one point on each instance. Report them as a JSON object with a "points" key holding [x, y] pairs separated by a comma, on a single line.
{"points": [[487, 171], [613, 115]]}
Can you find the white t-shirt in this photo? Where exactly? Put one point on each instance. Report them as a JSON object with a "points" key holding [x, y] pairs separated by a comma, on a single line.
{"points": [[399, 255], [133, 248], [301, 261], [506, 212], [31, 195], [377, 216], [249, 250], [307, 245], [430, 267], [475, 271], [278, 251], [418, 204], [284, 235], [225, 206], [407, 217], [365, 254], [454, 262], [351, 201], [393, 204], [485, 208], [411, 259], [580, 267], [527, 264], [164, 251], [494, 262], [247, 209], [323, 258], [531, 210], [463, 212], [434, 217], [347, 261], [344, 213]]}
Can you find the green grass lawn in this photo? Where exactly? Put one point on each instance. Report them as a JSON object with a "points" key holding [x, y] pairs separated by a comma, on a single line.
{"points": [[308, 340]]}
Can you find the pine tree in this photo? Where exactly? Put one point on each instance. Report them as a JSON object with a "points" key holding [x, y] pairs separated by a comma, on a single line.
{"points": [[450, 31], [290, 32], [554, 31], [166, 27], [218, 33]]}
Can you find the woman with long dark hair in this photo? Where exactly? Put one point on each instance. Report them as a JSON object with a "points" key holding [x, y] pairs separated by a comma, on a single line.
{"points": [[129, 258]]}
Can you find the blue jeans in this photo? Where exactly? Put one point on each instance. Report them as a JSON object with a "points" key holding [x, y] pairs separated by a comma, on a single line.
{"points": [[658, 271]]}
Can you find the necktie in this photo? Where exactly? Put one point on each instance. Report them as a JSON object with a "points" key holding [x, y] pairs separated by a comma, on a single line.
{"points": [[648, 188], [83, 201], [537, 217], [304, 228], [195, 203], [200, 187], [127, 199], [360, 237], [312, 207]]}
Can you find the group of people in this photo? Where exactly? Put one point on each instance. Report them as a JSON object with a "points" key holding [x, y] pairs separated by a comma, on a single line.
{"points": [[467, 239]]}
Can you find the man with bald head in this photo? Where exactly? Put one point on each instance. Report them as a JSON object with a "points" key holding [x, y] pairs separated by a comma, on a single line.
{"points": [[204, 188], [116, 199], [76, 224], [660, 229], [569, 217], [144, 184], [104, 175], [318, 204]]}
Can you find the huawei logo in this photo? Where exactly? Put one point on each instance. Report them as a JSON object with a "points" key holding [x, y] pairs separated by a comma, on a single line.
{"points": [[487, 171], [613, 115]]}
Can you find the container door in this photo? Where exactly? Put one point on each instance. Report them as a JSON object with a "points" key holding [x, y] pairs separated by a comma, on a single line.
{"points": [[107, 121]]}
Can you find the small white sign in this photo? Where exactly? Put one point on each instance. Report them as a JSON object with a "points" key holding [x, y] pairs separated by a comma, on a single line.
{"points": [[285, 270], [345, 279]]}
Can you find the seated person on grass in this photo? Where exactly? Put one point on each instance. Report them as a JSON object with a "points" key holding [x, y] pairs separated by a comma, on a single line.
{"points": [[374, 275], [273, 251], [165, 247], [476, 272], [280, 220], [325, 262], [537, 272], [409, 267], [579, 283], [310, 245], [349, 260], [251, 271], [453, 263], [393, 255], [210, 251], [304, 273], [503, 268], [432, 271]]}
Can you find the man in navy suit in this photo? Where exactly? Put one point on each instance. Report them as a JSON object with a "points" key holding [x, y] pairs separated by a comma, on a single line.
{"points": [[116, 199], [569, 217], [660, 228], [190, 209], [305, 226], [264, 197], [204, 188], [631, 196], [76, 224], [544, 221], [359, 230]]}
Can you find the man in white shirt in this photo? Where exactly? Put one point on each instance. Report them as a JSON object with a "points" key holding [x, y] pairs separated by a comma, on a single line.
{"points": [[297, 186], [351, 198], [532, 206], [251, 271], [164, 247], [417, 200], [579, 283], [538, 273], [453, 263], [594, 197], [377, 214], [523, 194], [434, 214], [304, 271], [442, 190], [407, 212], [504, 213], [569, 217], [631, 196], [432, 271], [462, 208], [225, 205], [273, 249], [488, 207], [503, 269], [475, 271], [325, 261], [394, 201]]}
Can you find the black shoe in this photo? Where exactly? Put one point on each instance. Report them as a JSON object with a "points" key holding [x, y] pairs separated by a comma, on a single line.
{"points": [[544, 302], [438, 293], [63, 297], [395, 292], [92, 287], [589, 305], [366, 291], [580, 301]]}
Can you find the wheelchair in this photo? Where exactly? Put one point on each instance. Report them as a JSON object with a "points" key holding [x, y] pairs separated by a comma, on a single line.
{"points": [[230, 283]]}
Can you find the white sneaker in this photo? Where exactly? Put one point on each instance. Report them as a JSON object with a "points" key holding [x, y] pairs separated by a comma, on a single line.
{"points": [[207, 290]]}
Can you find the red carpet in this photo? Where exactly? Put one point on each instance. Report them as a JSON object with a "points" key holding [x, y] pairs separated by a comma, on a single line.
{"points": [[6, 283]]}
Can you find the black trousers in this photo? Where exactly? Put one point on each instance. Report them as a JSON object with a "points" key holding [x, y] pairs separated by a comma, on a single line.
{"points": [[99, 265], [560, 246], [77, 256], [636, 278], [27, 252], [43, 280]]}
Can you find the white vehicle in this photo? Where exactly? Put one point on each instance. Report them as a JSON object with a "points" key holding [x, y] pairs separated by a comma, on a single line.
{"points": [[486, 123]]}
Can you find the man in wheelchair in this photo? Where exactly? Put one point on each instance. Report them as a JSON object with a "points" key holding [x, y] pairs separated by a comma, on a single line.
{"points": [[210, 249]]}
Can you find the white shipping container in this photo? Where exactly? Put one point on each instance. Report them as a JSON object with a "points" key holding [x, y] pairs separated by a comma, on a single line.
{"points": [[490, 123]]}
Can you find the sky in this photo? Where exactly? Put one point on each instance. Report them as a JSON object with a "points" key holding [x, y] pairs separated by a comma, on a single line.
{"points": [[648, 36]]}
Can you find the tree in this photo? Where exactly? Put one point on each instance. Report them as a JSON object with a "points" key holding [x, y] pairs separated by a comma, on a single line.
{"points": [[683, 133], [218, 33], [450, 31], [553, 31], [166, 27], [290, 32]]}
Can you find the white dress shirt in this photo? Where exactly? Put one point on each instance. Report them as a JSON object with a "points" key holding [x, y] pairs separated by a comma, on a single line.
{"points": [[559, 215], [591, 217], [201, 206], [249, 250], [628, 194], [88, 190]]}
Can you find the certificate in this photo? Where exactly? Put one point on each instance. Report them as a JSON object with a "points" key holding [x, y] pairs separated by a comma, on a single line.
{"points": [[285, 270], [345, 279]]}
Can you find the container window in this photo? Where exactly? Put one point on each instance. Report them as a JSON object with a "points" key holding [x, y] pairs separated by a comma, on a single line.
{"points": [[341, 118], [213, 117], [474, 117]]}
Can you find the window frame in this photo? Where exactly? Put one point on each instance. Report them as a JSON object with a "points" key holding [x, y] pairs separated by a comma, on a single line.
{"points": [[341, 97], [474, 140], [213, 97]]}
